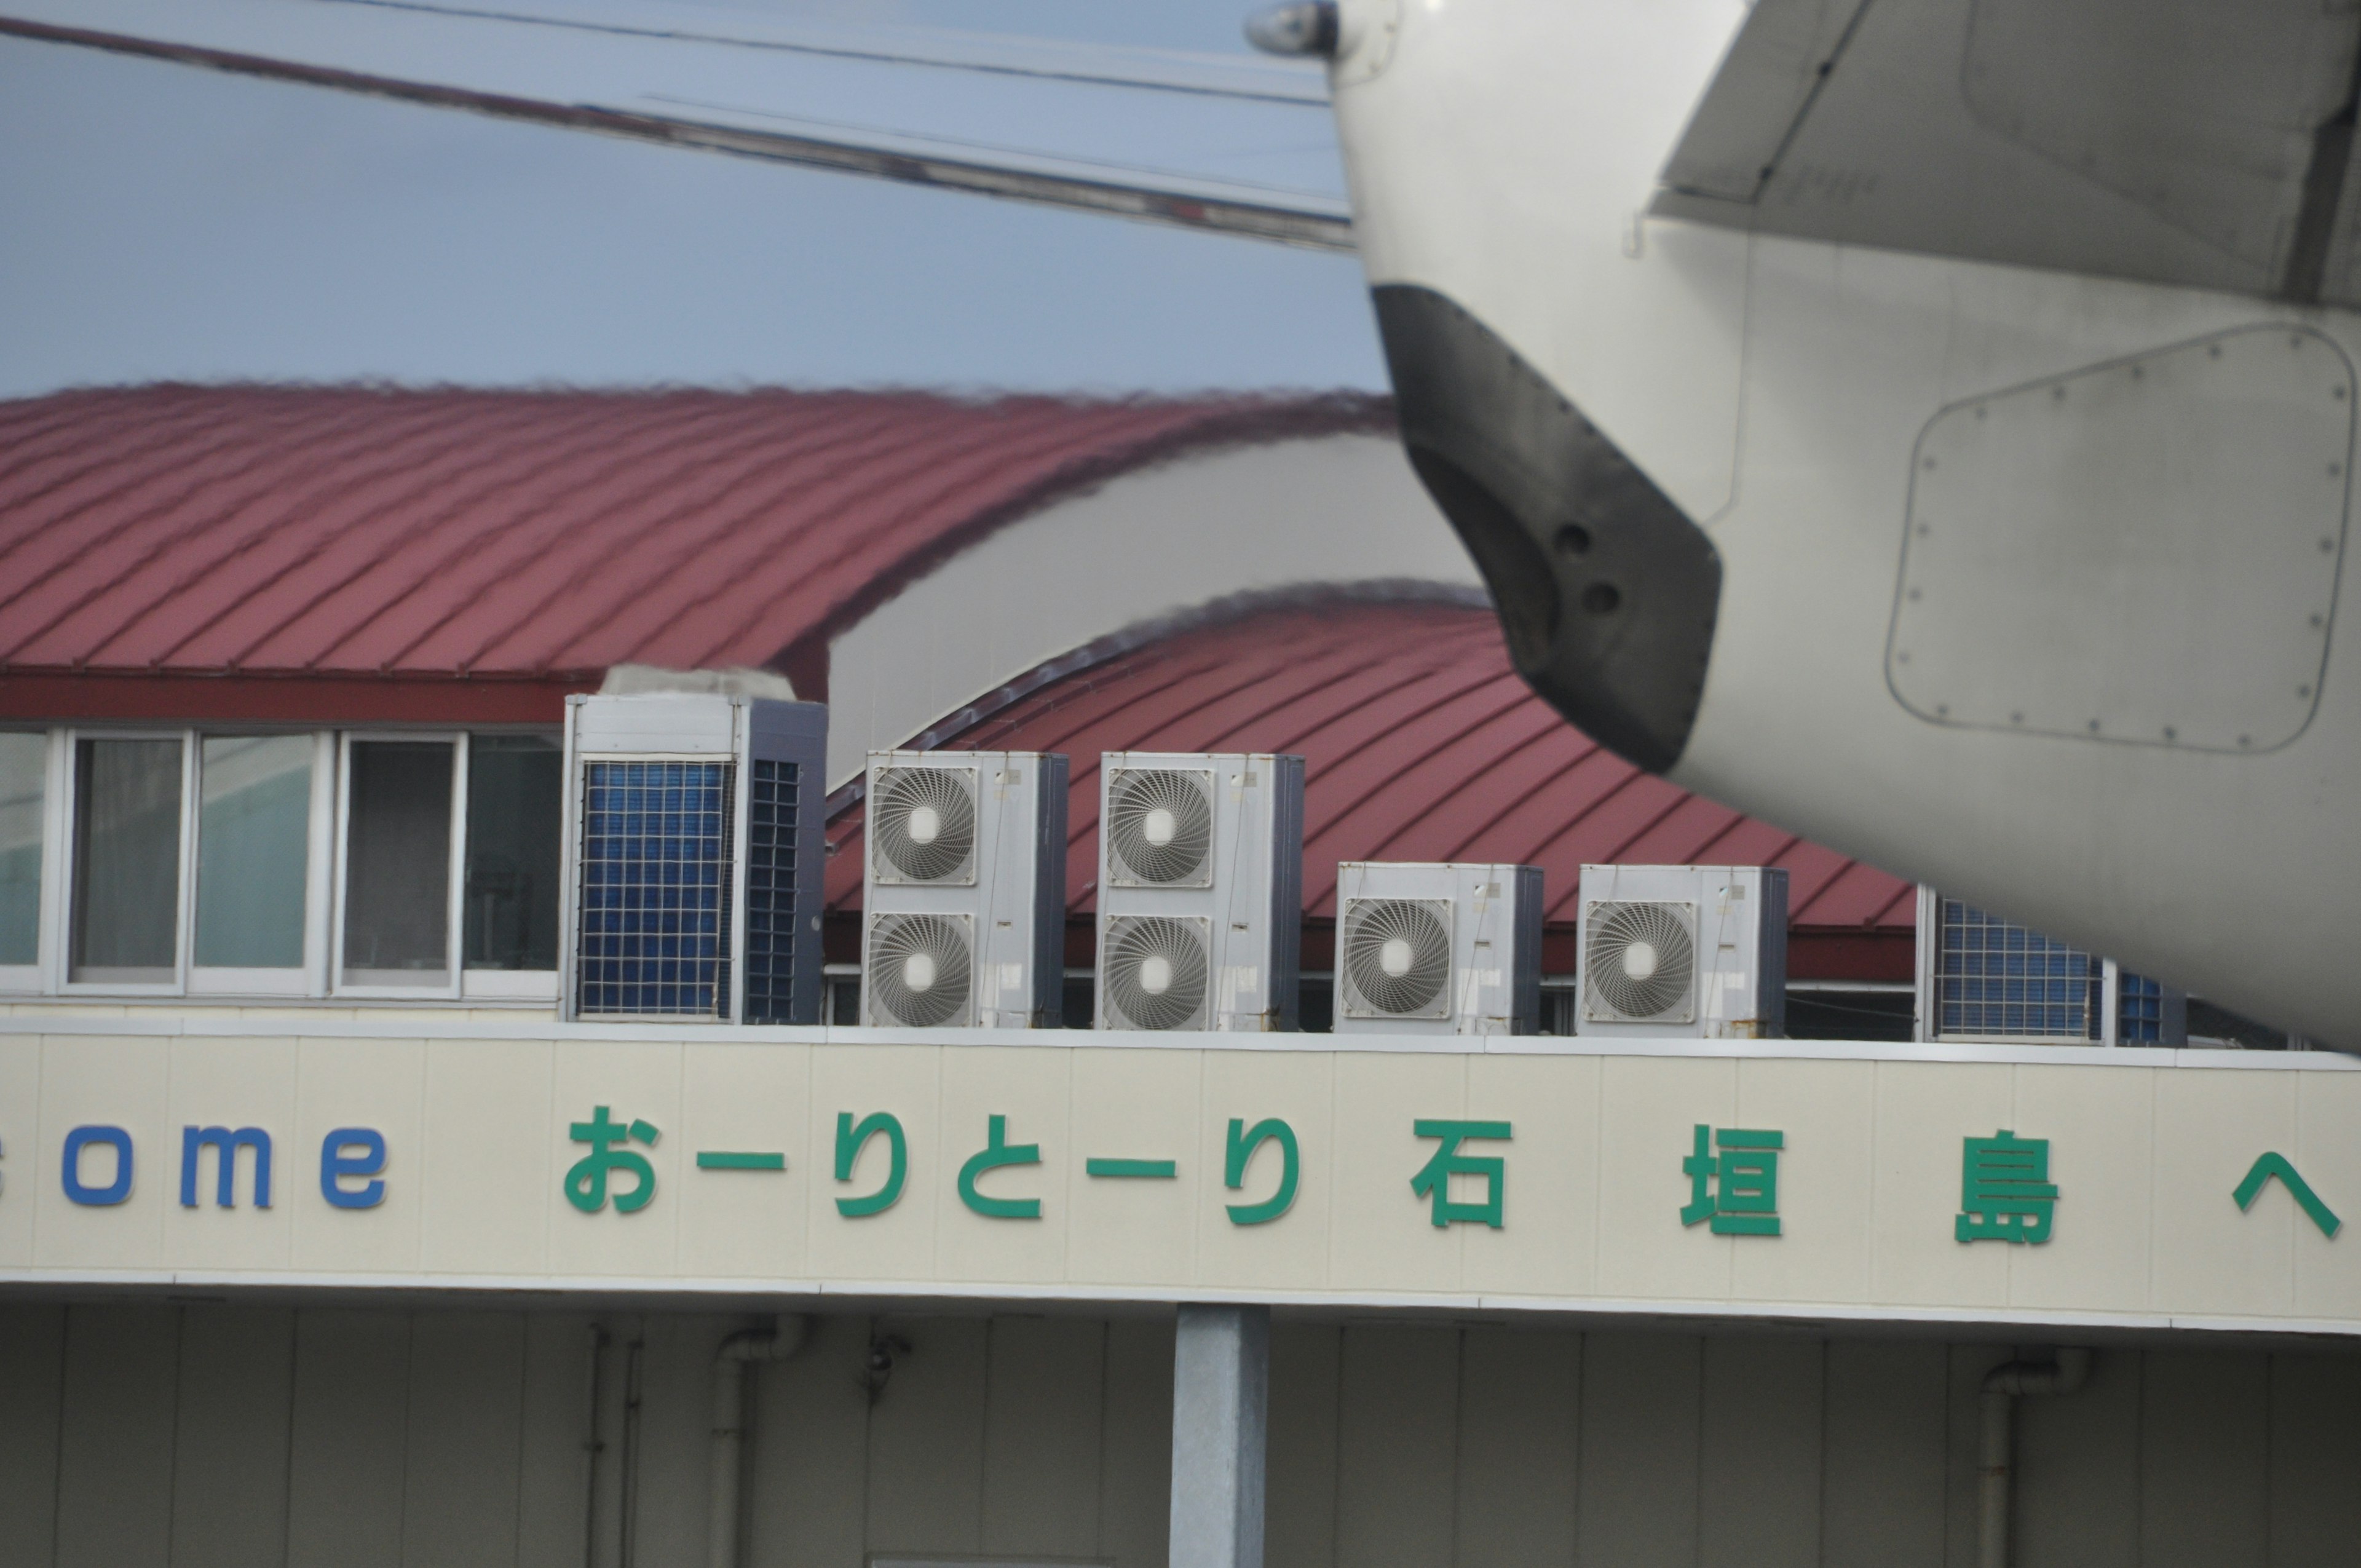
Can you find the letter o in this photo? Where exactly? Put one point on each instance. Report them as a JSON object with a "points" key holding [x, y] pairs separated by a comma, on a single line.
{"points": [[82, 1138]]}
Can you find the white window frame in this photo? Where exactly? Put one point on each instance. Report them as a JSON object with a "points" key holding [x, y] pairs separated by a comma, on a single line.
{"points": [[33, 979], [310, 978], [69, 841], [455, 894], [513, 984]]}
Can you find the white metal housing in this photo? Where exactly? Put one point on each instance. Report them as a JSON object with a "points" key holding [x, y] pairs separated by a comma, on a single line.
{"points": [[1427, 949], [963, 890], [1681, 952], [696, 896], [1200, 891]]}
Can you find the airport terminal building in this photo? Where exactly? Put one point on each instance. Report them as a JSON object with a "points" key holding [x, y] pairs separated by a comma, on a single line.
{"points": [[879, 978]]}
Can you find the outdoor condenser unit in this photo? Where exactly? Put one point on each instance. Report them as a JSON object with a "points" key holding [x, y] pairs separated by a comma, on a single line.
{"points": [[1694, 952], [1201, 891], [1438, 949], [964, 890], [692, 857]]}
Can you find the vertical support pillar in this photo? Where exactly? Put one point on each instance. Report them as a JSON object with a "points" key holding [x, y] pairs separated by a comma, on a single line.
{"points": [[1221, 1400]]}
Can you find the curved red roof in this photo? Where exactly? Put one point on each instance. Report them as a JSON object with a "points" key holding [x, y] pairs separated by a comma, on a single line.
{"points": [[349, 534], [1420, 743]]}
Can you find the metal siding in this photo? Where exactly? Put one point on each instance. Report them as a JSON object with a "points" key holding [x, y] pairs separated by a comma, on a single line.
{"points": [[926, 1442], [229, 1476], [1884, 1476], [809, 1476], [554, 1461], [1398, 1446], [1044, 1402], [347, 1440], [2315, 1467], [1519, 1422], [1641, 1412], [1301, 1500], [1135, 1445], [2205, 1451], [114, 1438], [1759, 1468], [32, 1377]]}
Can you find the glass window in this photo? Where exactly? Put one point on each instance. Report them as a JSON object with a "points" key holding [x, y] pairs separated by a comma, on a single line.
{"points": [[515, 831], [126, 903], [398, 863], [23, 767], [254, 844]]}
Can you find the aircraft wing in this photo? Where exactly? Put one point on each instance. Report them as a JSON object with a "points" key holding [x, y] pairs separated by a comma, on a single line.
{"points": [[2198, 142], [1234, 144]]}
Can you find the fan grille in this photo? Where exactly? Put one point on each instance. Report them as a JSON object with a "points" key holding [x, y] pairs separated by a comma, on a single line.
{"points": [[918, 969], [1154, 970], [1639, 962], [1397, 958], [922, 824], [1161, 826]]}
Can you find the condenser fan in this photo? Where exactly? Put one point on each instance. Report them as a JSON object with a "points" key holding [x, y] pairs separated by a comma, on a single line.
{"points": [[1161, 826], [1639, 962], [918, 969], [1155, 973], [924, 819], [1397, 958]]}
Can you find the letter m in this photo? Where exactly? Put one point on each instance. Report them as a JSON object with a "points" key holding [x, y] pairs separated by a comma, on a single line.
{"points": [[224, 1144]]}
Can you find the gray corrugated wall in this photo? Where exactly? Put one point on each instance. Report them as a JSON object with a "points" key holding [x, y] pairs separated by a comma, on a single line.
{"points": [[207, 1434]]}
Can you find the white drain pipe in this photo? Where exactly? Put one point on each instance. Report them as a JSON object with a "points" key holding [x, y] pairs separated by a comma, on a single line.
{"points": [[2002, 1384], [737, 1353]]}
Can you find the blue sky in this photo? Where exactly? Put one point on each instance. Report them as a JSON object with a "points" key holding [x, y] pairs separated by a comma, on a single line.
{"points": [[165, 222]]}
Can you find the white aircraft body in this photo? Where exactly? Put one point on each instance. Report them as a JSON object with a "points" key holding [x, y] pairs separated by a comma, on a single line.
{"points": [[1926, 424]]}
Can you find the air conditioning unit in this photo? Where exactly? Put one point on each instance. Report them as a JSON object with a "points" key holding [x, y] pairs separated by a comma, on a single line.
{"points": [[692, 857], [1681, 952], [1200, 891], [1438, 949], [963, 890]]}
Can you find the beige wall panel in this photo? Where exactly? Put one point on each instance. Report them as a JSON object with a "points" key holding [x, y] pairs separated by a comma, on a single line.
{"points": [[32, 1376], [2209, 1128], [1924, 1109], [1549, 1242], [346, 1454], [2328, 1156], [1381, 1234], [1519, 1446], [1137, 1230], [1045, 1387], [1289, 1253], [1398, 1445], [463, 1453], [810, 1468], [2077, 1482], [1884, 1476], [2204, 1437], [117, 1082], [904, 1082], [1759, 1468], [747, 1100], [1639, 1448], [2315, 1470], [484, 1099], [635, 1082], [20, 1147], [554, 1466], [677, 1433], [1826, 1181], [1032, 1088], [1648, 1108], [1135, 1445], [2103, 1226], [229, 1451], [360, 1083], [925, 1441], [235, 1084], [1300, 1508], [115, 1443]]}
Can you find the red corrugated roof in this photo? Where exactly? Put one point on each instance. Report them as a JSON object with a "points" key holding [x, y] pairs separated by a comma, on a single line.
{"points": [[359, 534], [1420, 743]]}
